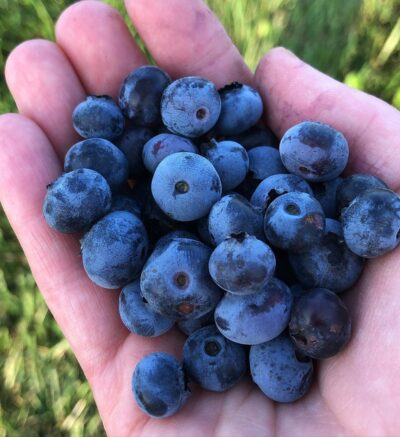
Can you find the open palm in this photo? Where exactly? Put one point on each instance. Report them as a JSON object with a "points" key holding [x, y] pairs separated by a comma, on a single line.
{"points": [[357, 392]]}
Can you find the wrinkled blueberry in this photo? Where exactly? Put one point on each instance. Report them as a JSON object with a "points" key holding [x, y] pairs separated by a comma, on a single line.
{"points": [[329, 263], [98, 117], [230, 160], [186, 186], [176, 282], [242, 264], [162, 145], [255, 318], [212, 361], [282, 374], [320, 324], [294, 221], [190, 106], [115, 249], [159, 385], [76, 200], [101, 156], [241, 108], [371, 223], [137, 316], [315, 151], [140, 95]]}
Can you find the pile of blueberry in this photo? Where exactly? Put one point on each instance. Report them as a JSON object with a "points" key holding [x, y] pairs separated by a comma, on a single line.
{"points": [[187, 204]]}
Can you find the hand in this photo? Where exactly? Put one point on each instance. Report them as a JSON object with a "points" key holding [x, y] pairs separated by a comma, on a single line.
{"points": [[357, 392]]}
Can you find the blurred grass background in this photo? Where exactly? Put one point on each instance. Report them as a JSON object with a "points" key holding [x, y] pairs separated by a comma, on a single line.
{"points": [[42, 389]]}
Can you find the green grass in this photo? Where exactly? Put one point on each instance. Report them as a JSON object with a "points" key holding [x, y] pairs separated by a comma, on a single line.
{"points": [[42, 389]]}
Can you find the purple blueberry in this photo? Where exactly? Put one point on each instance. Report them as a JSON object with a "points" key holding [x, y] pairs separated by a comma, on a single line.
{"points": [[190, 106], [315, 151], [76, 200], [212, 361], [295, 222], [320, 324], [255, 318], [98, 117], [281, 373], [140, 95], [242, 264], [186, 186]]}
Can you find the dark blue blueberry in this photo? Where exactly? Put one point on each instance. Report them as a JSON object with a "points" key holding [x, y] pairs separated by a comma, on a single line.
{"points": [[141, 191], [315, 151], [159, 385], [281, 373], [115, 249], [101, 156], [212, 361], [297, 291], [191, 325], [176, 282], [371, 223], [140, 95], [276, 185], [354, 185], [234, 214], [320, 324], [122, 202], [295, 222], [131, 144], [203, 231], [329, 263], [255, 318], [186, 186], [242, 264], [98, 117], [76, 200], [230, 160], [190, 106], [241, 108], [162, 145], [256, 136], [325, 193], [137, 316], [180, 233]]}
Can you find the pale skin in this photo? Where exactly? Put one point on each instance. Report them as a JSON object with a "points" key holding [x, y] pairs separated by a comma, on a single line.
{"points": [[356, 392]]}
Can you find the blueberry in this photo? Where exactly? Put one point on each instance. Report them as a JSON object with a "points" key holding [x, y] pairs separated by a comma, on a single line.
{"points": [[159, 385], [176, 282], [242, 264], [190, 106], [315, 151], [325, 193], [76, 200], [101, 156], [180, 233], [294, 221], [122, 202], [297, 291], [115, 249], [131, 143], [320, 324], [371, 223], [162, 145], [203, 231], [281, 373], [234, 214], [140, 95], [354, 185], [255, 318], [230, 160], [256, 136], [276, 185], [212, 361], [186, 186], [241, 108], [137, 316], [329, 263], [98, 117], [191, 325]]}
